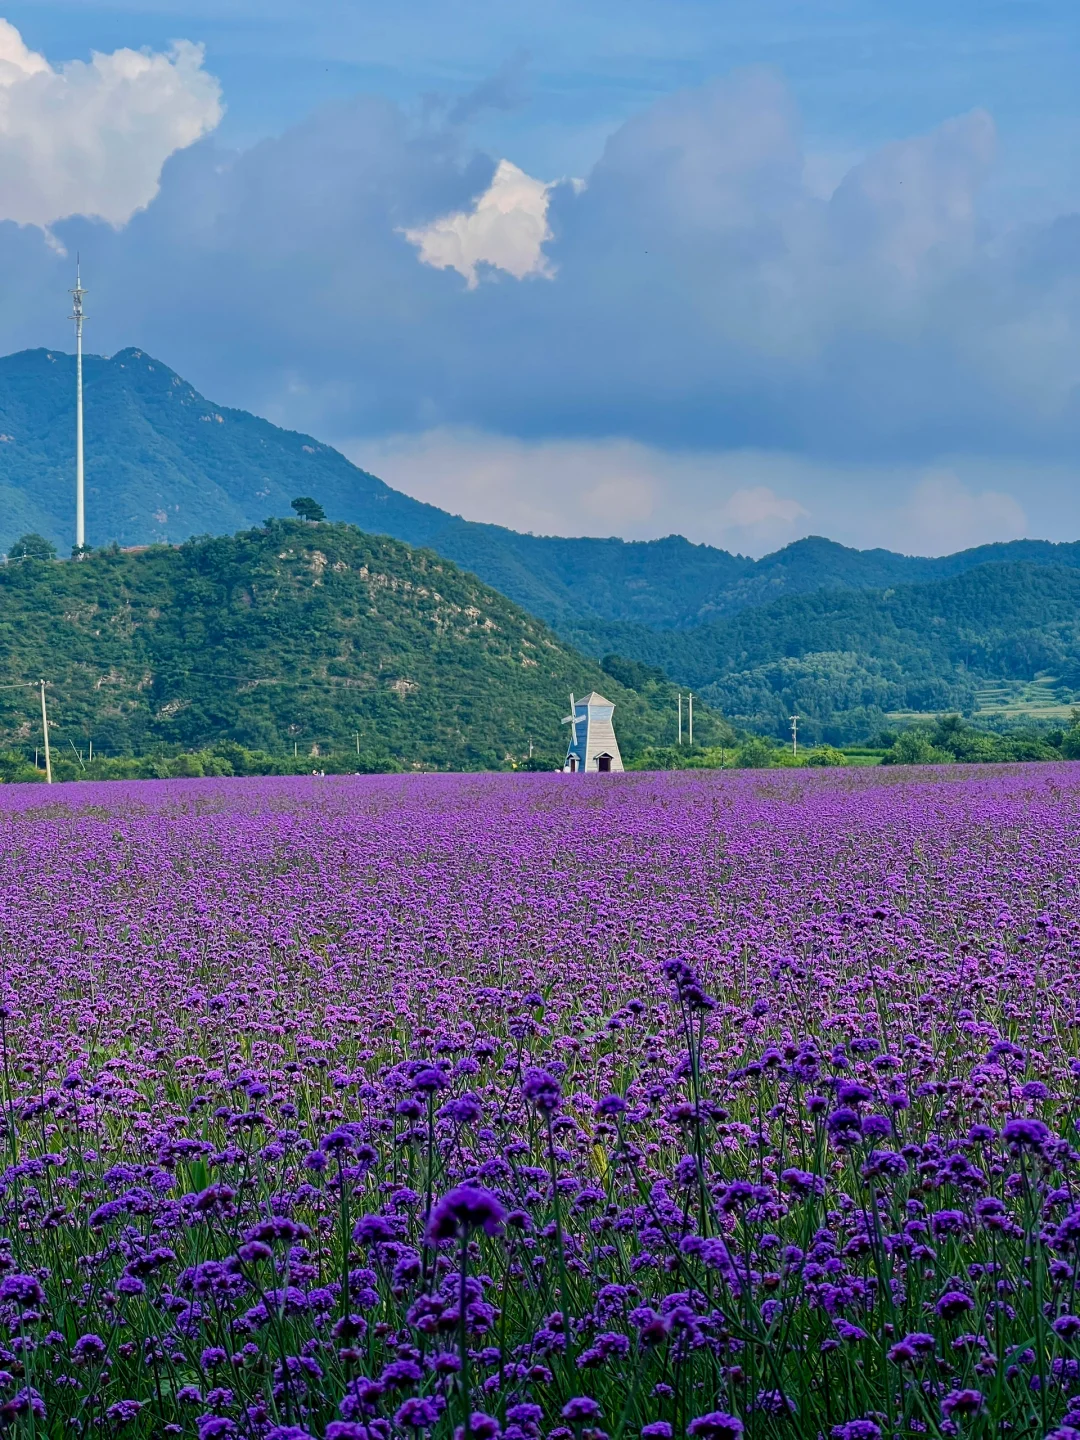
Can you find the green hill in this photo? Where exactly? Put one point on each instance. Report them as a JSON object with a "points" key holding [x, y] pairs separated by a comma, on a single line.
{"points": [[295, 635], [164, 463], [845, 660]]}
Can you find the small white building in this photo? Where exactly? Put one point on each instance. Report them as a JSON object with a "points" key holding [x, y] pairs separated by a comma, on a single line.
{"points": [[592, 736]]}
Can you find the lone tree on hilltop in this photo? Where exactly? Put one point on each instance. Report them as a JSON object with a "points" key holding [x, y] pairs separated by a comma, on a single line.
{"points": [[32, 547], [308, 509]]}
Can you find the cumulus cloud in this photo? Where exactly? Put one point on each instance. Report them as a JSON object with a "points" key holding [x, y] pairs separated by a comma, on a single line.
{"points": [[506, 89], [746, 501], [757, 505], [738, 322], [586, 487], [91, 137], [506, 228], [943, 515]]}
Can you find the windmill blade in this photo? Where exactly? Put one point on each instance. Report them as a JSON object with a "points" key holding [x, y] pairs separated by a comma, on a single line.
{"points": [[573, 719]]}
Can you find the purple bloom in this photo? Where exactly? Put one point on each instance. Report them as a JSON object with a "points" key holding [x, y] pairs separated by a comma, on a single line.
{"points": [[1025, 1133], [953, 1303], [483, 1427], [373, 1230], [88, 1348], [962, 1402], [25, 1401], [417, 1414], [463, 1209], [716, 1425], [252, 1251], [23, 1290], [581, 1407], [542, 1090], [802, 1183], [912, 1348], [611, 1105], [124, 1411], [216, 1427]]}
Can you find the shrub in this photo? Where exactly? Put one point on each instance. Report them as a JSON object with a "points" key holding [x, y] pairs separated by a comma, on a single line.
{"points": [[826, 755]]}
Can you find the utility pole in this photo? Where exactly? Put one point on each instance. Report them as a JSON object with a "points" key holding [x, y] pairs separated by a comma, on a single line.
{"points": [[358, 742], [680, 717], [691, 699], [45, 731], [794, 734], [80, 506]]}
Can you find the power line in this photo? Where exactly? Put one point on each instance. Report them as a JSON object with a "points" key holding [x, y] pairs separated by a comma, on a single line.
{"points": [[329, 681]]}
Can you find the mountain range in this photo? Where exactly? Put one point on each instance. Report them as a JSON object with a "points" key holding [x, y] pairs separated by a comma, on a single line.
{"points": [[847, 637], [163, 463]]}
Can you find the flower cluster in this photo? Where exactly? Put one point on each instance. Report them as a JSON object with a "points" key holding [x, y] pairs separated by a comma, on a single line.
{"points": [[447, 1106]]}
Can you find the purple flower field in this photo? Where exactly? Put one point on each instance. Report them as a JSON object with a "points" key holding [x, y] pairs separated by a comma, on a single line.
{"points": [[635, 1106]]}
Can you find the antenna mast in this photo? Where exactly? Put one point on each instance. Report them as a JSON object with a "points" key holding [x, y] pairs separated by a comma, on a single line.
{"points": [[80, 506]]}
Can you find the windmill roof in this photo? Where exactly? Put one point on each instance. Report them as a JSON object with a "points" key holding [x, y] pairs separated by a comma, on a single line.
{"points": [[595, 698]]}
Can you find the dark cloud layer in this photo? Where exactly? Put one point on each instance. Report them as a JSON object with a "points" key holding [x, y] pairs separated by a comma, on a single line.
{"points": [[703, 294]]}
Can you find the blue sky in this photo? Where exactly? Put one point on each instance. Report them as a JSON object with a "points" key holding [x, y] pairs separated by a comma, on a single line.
{"points": [[743, 271]]}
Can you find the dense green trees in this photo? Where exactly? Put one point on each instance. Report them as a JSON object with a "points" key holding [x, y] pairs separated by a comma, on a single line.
{"points": [[32, 547], [299, 641], [844, 660], [952, 739]]}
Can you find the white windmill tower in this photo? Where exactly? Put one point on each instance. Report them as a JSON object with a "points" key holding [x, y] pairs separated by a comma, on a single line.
{"points": [[592, 736]]}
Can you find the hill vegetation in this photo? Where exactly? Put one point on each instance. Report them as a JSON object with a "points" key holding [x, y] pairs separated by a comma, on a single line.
{"points": [[856, 642], [296, 640], [164, 463], [846, 661]]}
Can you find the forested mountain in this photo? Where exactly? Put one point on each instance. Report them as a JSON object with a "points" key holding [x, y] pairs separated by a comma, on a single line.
{"points": [[164, 463], [296, 635], [845, 637], [844, 659]]}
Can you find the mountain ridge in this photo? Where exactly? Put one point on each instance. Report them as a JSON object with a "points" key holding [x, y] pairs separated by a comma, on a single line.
{"points": [[845, 659], [164, 463]]}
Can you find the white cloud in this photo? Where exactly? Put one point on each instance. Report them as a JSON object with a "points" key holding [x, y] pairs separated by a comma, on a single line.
{"points": [[506, 228], [586, 487], [943, 515], [90, 137], [750, 501], [757, 506]]}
